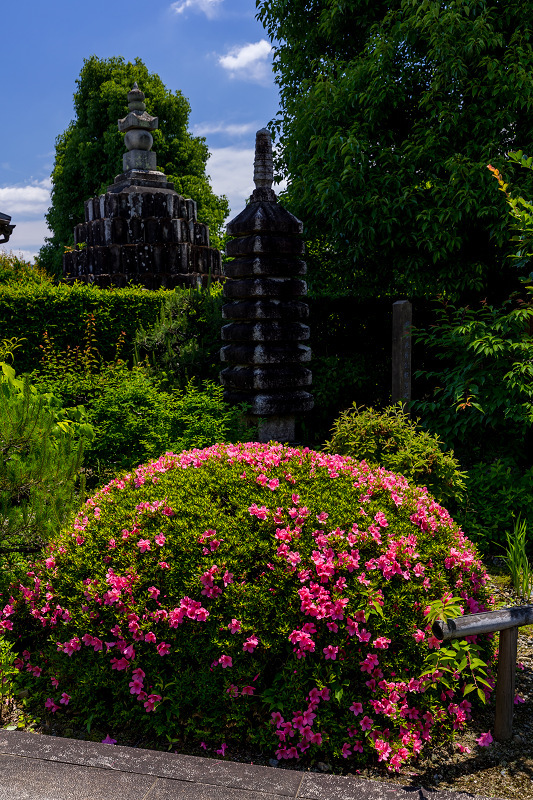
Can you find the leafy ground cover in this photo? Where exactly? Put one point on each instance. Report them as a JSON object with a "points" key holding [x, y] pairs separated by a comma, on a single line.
{"points": [[258, 596]]}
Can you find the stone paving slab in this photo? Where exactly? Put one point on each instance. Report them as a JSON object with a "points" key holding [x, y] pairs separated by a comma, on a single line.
{"points": [[38, 767]]}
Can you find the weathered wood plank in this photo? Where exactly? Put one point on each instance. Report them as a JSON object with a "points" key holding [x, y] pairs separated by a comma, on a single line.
{"points": [[505, 684], [485, 622]]}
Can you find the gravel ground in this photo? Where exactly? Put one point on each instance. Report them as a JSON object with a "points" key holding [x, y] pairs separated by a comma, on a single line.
{"points": [[502, 770]]}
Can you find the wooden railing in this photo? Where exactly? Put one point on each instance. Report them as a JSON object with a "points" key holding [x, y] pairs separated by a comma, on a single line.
{"points": [[507, 621]]}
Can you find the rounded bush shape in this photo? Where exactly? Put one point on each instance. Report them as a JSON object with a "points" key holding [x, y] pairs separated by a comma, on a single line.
{"points": [[391, 439], [256, 593]]}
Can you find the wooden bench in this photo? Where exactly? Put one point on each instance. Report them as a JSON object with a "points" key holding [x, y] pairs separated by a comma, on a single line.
{"points": [[507, 621]]}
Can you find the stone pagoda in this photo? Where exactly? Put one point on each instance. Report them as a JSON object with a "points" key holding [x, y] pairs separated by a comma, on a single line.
{"points": [[141, 230], [263, 338], [6, 228]]}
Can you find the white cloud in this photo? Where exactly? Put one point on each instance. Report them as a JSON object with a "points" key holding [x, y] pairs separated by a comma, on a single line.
{"points": [[28, 237], [249, 62], [206, 128], [232, 173], [208, 7], [31, 200]]}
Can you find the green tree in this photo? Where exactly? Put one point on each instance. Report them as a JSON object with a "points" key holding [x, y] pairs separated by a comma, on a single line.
{"points": [[390, 113], [89, 152]]}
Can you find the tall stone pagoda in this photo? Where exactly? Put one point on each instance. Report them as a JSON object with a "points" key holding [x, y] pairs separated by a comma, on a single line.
{"points": [[266, 316], [141, 230]]}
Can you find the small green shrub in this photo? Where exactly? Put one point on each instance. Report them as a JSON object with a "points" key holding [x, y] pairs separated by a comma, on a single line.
{"points": [[255, 594], [41, 447], [391, 439], [517, 561], [14, 270]]}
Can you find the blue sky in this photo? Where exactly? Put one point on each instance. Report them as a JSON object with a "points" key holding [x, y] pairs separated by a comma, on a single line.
{"points": [[214, 51]]}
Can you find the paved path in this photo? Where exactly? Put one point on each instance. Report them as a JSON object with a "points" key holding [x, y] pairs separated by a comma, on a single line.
{"points": [[37, 767]]}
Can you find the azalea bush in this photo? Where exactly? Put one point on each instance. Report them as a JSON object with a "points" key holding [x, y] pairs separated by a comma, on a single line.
{"points": [[254, 593]]}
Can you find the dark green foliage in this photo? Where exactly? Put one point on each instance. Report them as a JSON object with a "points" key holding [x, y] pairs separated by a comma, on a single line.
{"points": [[62, 311], [497, 493], [351, 359], [89, 152], [390, 113], [482, 400], [391, 439], [41, 447], [185, 340]]}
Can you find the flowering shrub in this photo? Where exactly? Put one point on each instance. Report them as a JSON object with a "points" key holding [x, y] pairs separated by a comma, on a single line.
{"points": [[273, 595]]}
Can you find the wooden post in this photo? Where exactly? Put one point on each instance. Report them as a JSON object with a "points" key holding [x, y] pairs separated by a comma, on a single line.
{"points": [[402, 321], [505, 685]]}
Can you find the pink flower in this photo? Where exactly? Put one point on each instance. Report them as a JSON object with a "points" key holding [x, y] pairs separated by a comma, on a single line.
{"points": [[163, 565], [357, 746], [366, 723], [250, 644], [419, 635], [248, 690], [222, 751], [234, 626], [143, 545], [345, 752], [163, 649], [160, 539], [119, 663], [50, 563], [357, 708], [151, 700], [276, 719], [65, 699], [485, 740], [463, 748], [225, 661], [330, 652], [203, 745], [150, 637], [381, 643], [51, 705], [109, 740], [518, 699], [153, 592]]}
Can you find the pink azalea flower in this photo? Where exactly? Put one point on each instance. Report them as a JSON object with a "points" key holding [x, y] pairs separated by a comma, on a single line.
{"points": [[357, 746], [419, 635], [109, 740], [160, 539], [485, 740], [248, 690], [222, 751], [65, 699], [51, 705], [163, 565], [234, 626], [330, 652], [153, 592], [151, 700], [366, 723], [225, 661], [518, 699], [150, 637], [250, 644], [345, 752], [357, 708], [463, 748], [144, 545], [203, 745], [163, 649]]}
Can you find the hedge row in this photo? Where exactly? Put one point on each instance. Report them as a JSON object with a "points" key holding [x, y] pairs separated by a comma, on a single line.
{"points": [[62, 311]]}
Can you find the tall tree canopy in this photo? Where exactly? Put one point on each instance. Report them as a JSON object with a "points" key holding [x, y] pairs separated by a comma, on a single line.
{"points": [[391, 112], [89, 152]]}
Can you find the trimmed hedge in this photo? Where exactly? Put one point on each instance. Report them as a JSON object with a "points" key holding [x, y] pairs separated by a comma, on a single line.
{"points": [[62, 311]]}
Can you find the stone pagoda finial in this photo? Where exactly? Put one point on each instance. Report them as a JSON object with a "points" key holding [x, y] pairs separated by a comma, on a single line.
{"points": [[137, 126], [263, 168]]}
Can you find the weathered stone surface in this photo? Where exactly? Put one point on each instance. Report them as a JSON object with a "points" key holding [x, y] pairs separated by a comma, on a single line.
{"points": [[266, 378], [267, 331], [265, 353], [280, 288], [260, 243], [265, 265], [263, 217], [268, 308], [269, 404]]}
